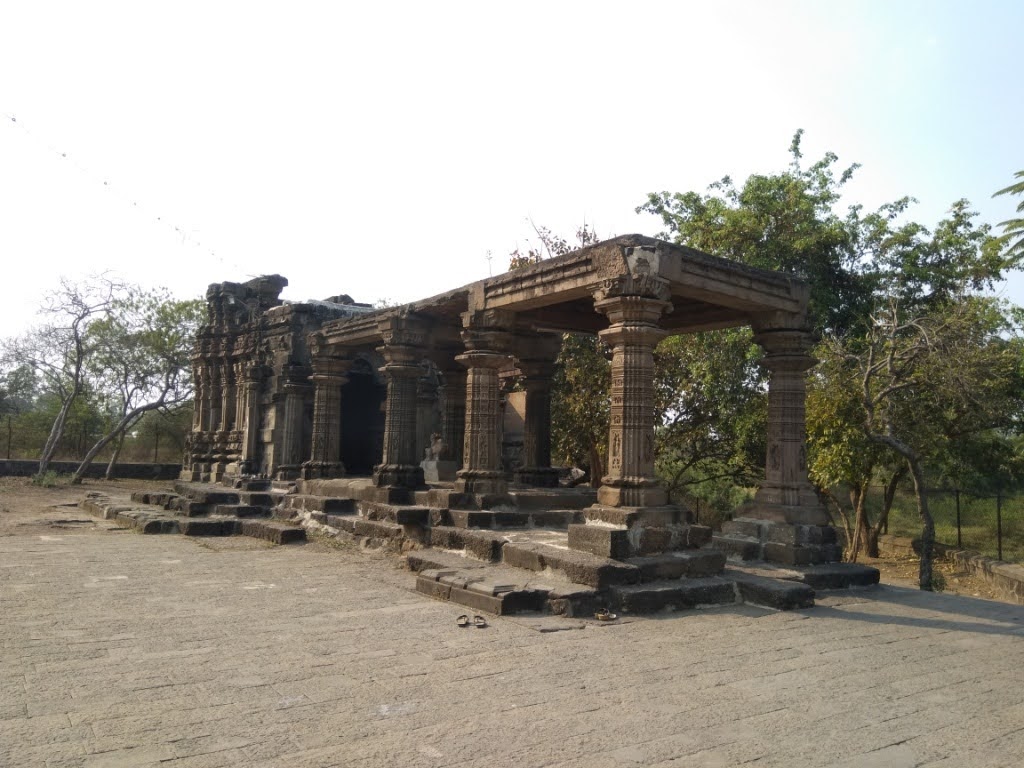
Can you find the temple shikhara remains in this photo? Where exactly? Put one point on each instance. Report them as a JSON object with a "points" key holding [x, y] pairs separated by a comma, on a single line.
{"points": [[387, 424]]}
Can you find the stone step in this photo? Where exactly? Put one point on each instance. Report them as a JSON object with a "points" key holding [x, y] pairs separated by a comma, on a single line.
{"points": [[499, 519], [241, 510], [496, 588], [687, 563], [205, 493], [479, 544], [328, 504], [674, 595], [261, 484], [258, 498], [395, 513], [737, 547], [278, 533], [209, 526], [578, 567], [839, 575], [785, 595], [373, 532]]}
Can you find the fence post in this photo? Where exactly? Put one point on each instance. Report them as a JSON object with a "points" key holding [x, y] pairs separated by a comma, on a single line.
{"points": [[959, 539], [999, 525]]}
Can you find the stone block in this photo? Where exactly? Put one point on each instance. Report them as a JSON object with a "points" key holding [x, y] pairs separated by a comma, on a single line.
{"points": [[278, 533], [465, 518], [579, 567], [790, 554], [433, 588], [648, 598], [748, 528], [773, 593], [677, 565], [477, 601], [839, 575], [600, 540], [737, 547], [204, 527]]}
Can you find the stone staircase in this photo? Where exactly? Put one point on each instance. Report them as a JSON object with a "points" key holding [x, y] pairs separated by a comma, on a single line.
{"points": [[507, 560], [194, 509]]}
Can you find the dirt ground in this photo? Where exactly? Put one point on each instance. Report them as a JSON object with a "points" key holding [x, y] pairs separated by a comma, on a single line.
{"points": [[28, 509]]}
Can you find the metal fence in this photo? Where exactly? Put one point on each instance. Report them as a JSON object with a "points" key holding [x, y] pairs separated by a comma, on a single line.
{"points": [[991, 524]]}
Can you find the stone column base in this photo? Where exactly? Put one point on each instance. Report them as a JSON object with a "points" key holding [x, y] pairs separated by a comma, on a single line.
{"points": [[537, 477], [482, 482], [779, 542], [408, 476], [624, 532], [631, 495], [314, 470], [438, 471]]}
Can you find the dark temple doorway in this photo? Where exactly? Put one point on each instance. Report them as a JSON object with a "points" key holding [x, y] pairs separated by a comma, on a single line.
{"points": [[362, 420]]}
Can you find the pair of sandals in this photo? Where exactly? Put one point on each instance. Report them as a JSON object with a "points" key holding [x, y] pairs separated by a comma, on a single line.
{"points": [[478, 621]]}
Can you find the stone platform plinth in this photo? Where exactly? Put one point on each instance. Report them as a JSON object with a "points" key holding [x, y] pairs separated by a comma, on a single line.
{"points": [[622, 532]]}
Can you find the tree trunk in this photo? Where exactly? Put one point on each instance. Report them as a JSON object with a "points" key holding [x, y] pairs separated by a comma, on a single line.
{"points": [[596, 467], [882, 524], [126, 421], [56, 433], [857, 495], [927, 525], [109, 475]]}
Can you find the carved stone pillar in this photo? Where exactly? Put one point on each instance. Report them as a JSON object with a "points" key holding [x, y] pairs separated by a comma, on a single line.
{"points": [[199, 384], [786, 483], [785, 522], [453, 416], [631, 516], [632, 335], [253, 379], [229, 398], [402, 350], [537, 365], [214, 397], [325, 448], [487, 352]]}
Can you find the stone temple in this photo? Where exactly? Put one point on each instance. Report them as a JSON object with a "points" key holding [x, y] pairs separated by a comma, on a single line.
{"points": [[387, 424]]}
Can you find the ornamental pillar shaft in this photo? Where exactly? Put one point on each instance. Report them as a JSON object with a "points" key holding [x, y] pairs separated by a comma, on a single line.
{"points": [[251, 427], [537, 366], [325, 445], [453, 416], [399, 470], [630, 480], [786, 484], [488, 340]]}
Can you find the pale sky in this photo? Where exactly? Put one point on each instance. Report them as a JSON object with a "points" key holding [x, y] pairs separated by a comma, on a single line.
{"points": [[384, 149]]}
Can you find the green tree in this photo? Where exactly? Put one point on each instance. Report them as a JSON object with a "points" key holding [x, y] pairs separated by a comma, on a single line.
{"points": [[1014, 228], [140, 362], [710, 396], [786, 222], [57, 350]]}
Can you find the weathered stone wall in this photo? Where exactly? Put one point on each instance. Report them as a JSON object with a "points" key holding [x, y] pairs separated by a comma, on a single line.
{"points": [[147, 471]]}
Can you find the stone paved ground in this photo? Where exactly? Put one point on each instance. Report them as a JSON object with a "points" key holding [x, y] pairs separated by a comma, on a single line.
{"points": [[118, 649]]}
